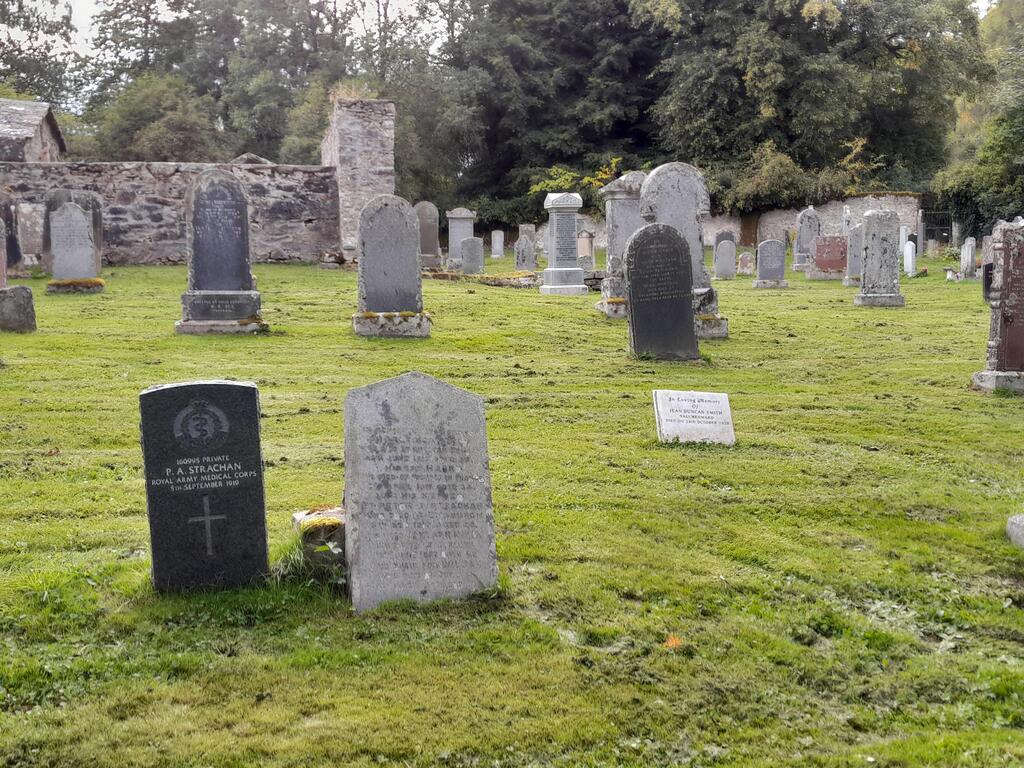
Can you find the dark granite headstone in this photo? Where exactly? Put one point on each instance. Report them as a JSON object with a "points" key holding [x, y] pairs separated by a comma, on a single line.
{"points": [[661, 321], [204, 484], [986, 280], [217, 219], [10, 225]]}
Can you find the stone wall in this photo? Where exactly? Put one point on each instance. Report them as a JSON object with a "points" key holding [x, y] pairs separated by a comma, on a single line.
{"points": [[360, 146], [293, 210], [44, 146]]}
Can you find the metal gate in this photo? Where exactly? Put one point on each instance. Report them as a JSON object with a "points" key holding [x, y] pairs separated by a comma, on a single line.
{"points": [[938, 226]]}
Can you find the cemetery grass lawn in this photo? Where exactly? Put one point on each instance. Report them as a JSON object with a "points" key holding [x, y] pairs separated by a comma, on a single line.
{"points": [[833, 590]]}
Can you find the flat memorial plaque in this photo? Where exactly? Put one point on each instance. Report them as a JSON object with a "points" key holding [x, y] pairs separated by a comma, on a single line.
{"points": [[693, 417]]}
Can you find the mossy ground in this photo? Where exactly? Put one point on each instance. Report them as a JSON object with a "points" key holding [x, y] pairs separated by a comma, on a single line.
{"points": [[834, 589]]}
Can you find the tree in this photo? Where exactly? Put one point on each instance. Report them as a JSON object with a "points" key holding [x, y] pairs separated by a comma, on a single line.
{"points": [[37, 55]]}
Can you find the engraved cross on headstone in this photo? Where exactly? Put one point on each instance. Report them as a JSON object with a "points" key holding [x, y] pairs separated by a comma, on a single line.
{"points": [[207, 519]]}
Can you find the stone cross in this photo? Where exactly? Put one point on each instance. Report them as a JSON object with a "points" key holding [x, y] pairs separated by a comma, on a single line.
{"points": [[660, 291], [1005, 360], [771, 265], [563, 277], [204, 484], [880, 281], [420, 522]]}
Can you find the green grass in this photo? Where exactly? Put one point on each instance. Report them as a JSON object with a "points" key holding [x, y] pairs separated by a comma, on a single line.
{"points": [[834, 588]]}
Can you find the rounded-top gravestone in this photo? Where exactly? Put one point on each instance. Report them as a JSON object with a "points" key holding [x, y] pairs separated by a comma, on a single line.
{"points": [[217, 223], [430, 242]]}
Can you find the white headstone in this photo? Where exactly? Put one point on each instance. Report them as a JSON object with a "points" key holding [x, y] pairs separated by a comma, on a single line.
{"points": [[497, 244], [693, 417], [909, 258]]}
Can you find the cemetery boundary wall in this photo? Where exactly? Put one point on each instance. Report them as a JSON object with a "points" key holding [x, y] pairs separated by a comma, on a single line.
{"points": [[293, 209]]}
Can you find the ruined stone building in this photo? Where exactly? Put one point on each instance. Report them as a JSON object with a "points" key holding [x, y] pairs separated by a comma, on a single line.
{"points": [[29, 133]]}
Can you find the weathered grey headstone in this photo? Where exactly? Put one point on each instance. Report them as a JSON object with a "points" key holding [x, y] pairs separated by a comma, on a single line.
{"points": [[472, 249], [460, 226], [497, 244], [904, 236], [676, 194], [854, 256], [525, 249], [986, 249], [660, 288], [390, 291], [585, 250], [722, 235], [221, 295], [622, 215], [745, 263], [204, 484], [1015, 530], [17, 311], [30, 218], [922, 229], [909, 259], [430, 243], [71, 248], [968, 255], [880, 280], [563, 277], [1005, 363], [420, 522], [808, 227], [829, 258], [693, 417], [725, 260], [771, 265], [87, 201]]}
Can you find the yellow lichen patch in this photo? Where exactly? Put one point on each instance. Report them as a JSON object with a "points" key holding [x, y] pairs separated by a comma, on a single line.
{"points": [[614, 301], [407, 314], [85, 282]]}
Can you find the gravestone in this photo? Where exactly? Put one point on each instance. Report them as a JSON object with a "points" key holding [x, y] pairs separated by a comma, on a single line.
{"points": [[221, 295], [676, 194], [909, 259], [922, 231], [880, 280], [808, 227], [390, 291], [847, 220], [854, 256], [745, 263], [660, 301], [73, 258], [693, 417], [1005, 360], [904, 236], [829, 259], [725, 260], [17, 310], [722, 235], [460, 226], [87, 201], [622, 219], [430, 243], [771, 265], [585, 250], [563, 277], [9, 221], [30, 220], [472, 249], [1015, 530], [987, 273], [968, 254], [204, 484], [497, 244], [986, 249], [420, 521], [525, 249]]}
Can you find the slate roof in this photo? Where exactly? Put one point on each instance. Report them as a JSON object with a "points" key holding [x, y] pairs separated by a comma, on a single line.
{"points": [[18, 123]]}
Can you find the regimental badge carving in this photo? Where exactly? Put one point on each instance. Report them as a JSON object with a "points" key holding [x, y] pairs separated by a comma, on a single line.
{"points": [[200, 426]]}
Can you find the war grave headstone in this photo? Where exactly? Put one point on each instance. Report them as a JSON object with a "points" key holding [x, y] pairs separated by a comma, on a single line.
{"points": [[419, 515], [693, 417], [909, 259], [660, 302], [563, 277], [389, 279], [745, 263], [204, 484], [87, 201], [880, 280], [430, 242], [808, 227], [73, 258], [771, 265], [17, 310], [829, 258], [622, 218], [585, 250], [472, 249], [460, 227], [1005, 360], [676, 194], [968, 255], [497, 244], [854, 256], [221, 296]]}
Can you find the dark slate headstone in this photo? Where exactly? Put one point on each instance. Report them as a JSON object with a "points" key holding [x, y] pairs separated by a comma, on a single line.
{"points": [[7, 218], [204, 484], [661, 321], [389, 267], [217, 221], [420, 522], [987, 271]]}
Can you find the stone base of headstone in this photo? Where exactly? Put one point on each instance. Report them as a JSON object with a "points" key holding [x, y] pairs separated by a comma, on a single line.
{"points": [[87, 285], [322, 534], [711, 327], [813, 273], [17, 310], [1015, 530], [615, 308], [990, 381], [879, 300], [771, 283], [430, 261], [392, 324], [851, 282], [563, 282], [802, 267], [201, 327]]}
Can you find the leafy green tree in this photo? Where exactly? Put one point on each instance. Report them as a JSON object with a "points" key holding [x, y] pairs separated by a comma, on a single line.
{"points": [[37, 54]]}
